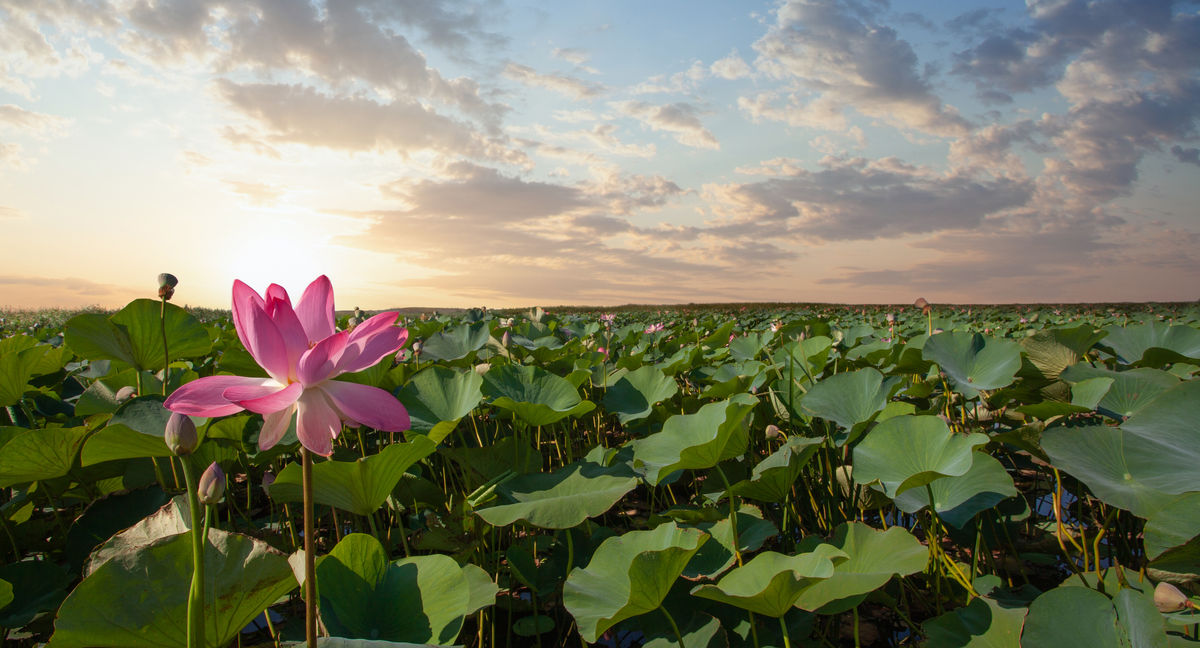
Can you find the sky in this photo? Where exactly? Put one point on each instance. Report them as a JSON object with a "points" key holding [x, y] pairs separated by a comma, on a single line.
{"points": [[502, 153]]}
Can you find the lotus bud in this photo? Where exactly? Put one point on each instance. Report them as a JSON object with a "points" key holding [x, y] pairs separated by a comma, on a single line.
{"points": [[166, 285], [1168, 598], [125, 393], [773, 432], [482, 368], [212, 485], [417, 346], [267, 480], [181, 435], [506, 339]]}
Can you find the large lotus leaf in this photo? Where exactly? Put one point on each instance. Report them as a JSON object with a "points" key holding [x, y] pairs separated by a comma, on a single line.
{"points": [[772, 479], [847, 398], [1128, 392], [717, 554], [535, 395], [748, 346], [682, 360], [910, 451], [561, 499], [1170, 421], [1172, 536], [21, 358], [421, 599], [171, 519], [119, 442], [1123, 469], [359, 487], [453, 344], [1052, 350], [628, 575], [983, 623], [701, 440], [138, 598], [487, 463], [974, 362], [958, 499], [33, 455], [1154, 343], [134, 335], [805, 357], [440, 395], [105, 517], [1077, 616], [733, 377], [37, 586], [771, 582], [874, 557], [633, 396]]}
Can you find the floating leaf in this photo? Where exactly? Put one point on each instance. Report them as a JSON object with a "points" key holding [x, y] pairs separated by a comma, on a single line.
{"points": [[628, 575], [1154, 343], [1077, 616]]}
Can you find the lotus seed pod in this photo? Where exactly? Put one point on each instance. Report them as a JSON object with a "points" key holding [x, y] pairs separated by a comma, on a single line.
{"points": [[1168, 598], [212, 485], [181, 435], [166, 285], [125, 393], [773, 432]]}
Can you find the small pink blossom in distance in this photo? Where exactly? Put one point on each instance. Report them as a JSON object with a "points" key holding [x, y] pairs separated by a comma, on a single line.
{"points": [[302, 353], [655, 328]]}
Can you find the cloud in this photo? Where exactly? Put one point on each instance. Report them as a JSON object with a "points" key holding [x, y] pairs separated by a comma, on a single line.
{"points": [[731, 67], [45, 292], [861, 199], [302, 115], [11, 214], [562, 84], [577, 57], [257, 193], [484, 196], [16, 118], [1186, 155], [684, 82], [841, 60], [678, 118]]}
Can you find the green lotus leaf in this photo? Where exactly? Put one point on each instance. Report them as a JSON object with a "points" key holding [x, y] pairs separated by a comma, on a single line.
{"points": [[804, 357], [874, 557], [1154, 344], [717, 553], [422, 599], [974, 362], [37, 586], [561, 499], [105, 517], [242, 577], [1170, 421], [134, 335], [982, 623], [359, 487], [1050, 351], [747, 347], [534, 395], [910, 451], [1077, 616], [6, 594], [701, 440], [772, 479], [22, 358], [1127, 393], [1172, 536], [440, 395], [848, 399], [33, 455], [958, 499], [633, 396], [455, 343], [771, 582], [628, 575]]}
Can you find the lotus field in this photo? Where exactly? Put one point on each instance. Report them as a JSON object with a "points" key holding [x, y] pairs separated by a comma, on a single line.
{"points": [[753, 475]]}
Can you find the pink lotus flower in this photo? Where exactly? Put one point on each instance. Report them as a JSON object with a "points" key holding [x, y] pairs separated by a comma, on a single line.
{"points": [[301, 352]]}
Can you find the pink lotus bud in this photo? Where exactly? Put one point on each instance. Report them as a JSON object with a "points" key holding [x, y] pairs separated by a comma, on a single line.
{"points": [[212, 485], [773, 432], [125, 393], [506, 339], [180, 435], [1168, 598], [268, 479]]}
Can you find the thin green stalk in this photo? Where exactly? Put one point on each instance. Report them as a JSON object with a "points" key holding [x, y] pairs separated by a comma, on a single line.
{"points": [[195, 607], [783, 629], [310, 558], [857, 643], [674, 626], [162, 321]]}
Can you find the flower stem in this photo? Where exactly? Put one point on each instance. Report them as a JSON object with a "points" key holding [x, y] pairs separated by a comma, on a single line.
{"points": [[162, 321], [310, 562], [674, 626], [195, 608]]}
